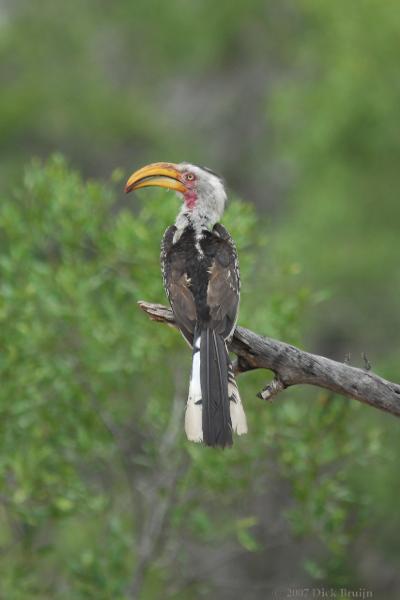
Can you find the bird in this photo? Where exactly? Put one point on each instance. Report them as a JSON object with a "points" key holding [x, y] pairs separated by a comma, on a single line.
{"points": [[201, 279]]}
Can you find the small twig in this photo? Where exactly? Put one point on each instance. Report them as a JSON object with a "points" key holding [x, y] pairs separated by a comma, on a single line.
{"points": [[272, 389], [367, 364]]}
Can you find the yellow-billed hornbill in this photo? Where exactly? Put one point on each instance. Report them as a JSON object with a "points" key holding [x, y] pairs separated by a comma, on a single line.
{"points": [[201, 278]]}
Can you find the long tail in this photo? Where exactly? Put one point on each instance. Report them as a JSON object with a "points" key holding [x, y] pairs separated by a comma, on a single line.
{"points": [[214, 408]]}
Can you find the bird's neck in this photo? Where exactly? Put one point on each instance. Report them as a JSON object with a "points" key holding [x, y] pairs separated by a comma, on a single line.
{"points": [[197, 218]]}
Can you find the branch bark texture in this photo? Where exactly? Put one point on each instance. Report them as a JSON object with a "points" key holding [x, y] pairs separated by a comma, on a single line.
{"points": [[293, 366]]}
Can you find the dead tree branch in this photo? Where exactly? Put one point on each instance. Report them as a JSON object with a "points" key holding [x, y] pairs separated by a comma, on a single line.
{"points": [[293, 366], [159, 492]]}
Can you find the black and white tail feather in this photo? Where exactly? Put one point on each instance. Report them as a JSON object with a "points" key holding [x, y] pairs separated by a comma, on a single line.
{"points": [[214, 409]]}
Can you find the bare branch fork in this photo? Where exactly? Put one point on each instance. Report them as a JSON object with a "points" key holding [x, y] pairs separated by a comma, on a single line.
{"points": [[293, 366]]}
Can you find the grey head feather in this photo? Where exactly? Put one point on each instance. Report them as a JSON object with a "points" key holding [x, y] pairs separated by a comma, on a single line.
{"points": [[210, 203]]}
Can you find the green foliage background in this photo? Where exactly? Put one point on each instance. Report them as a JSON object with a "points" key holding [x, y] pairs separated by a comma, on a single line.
{"points": [[296, 104]]}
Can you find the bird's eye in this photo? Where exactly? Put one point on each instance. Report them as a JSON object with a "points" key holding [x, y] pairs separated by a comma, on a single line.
{"points": [[189, 177]]}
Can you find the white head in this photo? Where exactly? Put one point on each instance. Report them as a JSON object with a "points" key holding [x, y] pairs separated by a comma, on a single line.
{"points": [[201, 189]]}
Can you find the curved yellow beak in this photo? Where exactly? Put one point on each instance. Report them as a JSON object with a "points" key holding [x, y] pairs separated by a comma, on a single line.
{"points": [[164, 175]]}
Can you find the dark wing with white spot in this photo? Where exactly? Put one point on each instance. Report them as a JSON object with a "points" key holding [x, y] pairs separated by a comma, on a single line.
{"points": [[177, 284], [223, 291]]}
